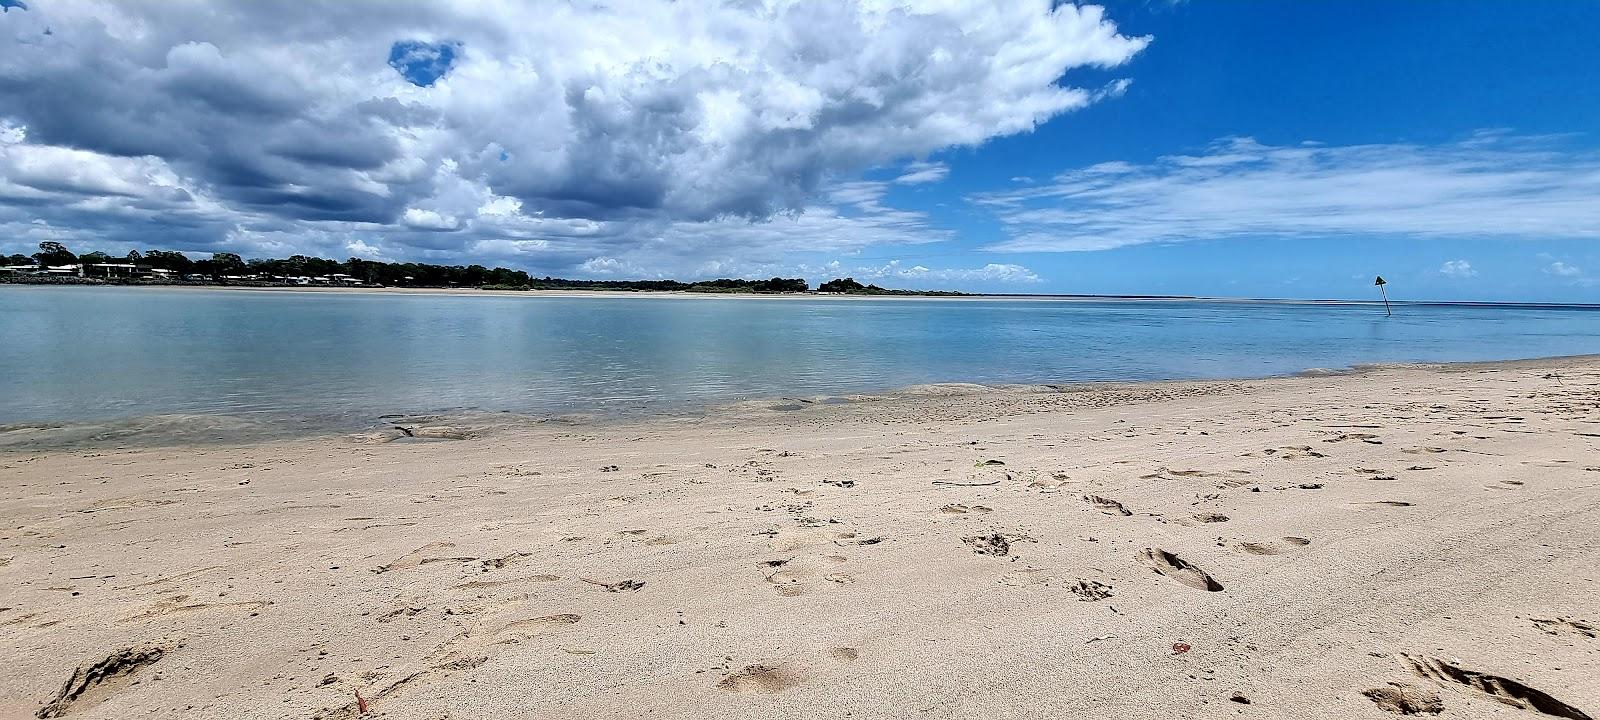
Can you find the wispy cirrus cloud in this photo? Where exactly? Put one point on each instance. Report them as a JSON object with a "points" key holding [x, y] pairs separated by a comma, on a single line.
{"points": [[1491, 185], [918, 173]]}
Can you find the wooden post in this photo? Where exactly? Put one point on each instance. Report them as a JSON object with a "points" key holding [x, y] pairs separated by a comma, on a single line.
{"points": [[1380, 282]]}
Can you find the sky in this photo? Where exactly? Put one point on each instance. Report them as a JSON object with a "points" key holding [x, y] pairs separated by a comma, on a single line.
{"points": [[1198, 147]]}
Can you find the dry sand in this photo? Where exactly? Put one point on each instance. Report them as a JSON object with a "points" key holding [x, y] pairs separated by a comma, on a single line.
{"points": [[1405, 539]]}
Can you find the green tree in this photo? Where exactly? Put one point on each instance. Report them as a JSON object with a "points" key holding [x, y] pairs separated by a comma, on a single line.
{"points": [[54, 253], [841, 285], [169, 260], [226, 264]]}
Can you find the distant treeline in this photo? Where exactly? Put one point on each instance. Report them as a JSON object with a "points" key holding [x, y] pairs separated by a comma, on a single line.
{"points": [[849, 286], [775, 285], [229, 267]]}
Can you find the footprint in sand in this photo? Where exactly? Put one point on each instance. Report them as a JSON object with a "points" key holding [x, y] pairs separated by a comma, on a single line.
{"points": [[478, 584], [1251, 548], [96, 683], [533, 627], [996, 543], [790, 539], [1163, 473], [793, 577], [1363, 437], [787, 583], [1201, 519], [503, 561], [1025, 577], [1567, 626], [467, 644], [1501, 689], [618, 586], [125, 503], [1049, 483], [401, 613], [761, 678], [638, 537], [1405, 699], [1090, 590], [1107, 505], [180, 604], [421, 556], [1293, 452], [848, 539], [775, 676], [1172, 566], [959, 509], [992, 544]]}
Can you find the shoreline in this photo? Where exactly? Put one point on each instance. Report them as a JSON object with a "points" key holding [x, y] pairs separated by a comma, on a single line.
{"points": [[967, 297], [1312, 544], [222, 429]]}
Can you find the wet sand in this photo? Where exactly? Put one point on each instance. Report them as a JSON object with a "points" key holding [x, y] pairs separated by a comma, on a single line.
{"points": [[1399, 540]]}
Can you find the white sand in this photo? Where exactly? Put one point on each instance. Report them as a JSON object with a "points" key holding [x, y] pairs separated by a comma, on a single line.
{"points": [[842, 560]]}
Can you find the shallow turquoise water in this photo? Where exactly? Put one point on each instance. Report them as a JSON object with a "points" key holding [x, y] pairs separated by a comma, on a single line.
{"points": [[71, 353]]}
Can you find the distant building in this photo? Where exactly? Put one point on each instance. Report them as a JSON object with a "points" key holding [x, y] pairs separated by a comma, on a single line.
{"points": [[115, 270]]}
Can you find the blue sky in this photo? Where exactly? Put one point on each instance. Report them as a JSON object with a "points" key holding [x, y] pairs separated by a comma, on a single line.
{"points": [[1341, 74], [1290, 149]]}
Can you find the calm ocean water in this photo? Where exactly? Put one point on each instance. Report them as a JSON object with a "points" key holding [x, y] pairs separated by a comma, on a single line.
{"points": [[74, 353]]}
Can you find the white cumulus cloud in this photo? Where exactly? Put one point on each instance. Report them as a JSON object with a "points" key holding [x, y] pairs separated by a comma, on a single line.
{"points": [[990, 273], [554, 132], [1563, 269], [428, 220]]}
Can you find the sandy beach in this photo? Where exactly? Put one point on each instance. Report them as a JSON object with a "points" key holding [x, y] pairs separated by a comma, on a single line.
{"points": [[1404, 540]]}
